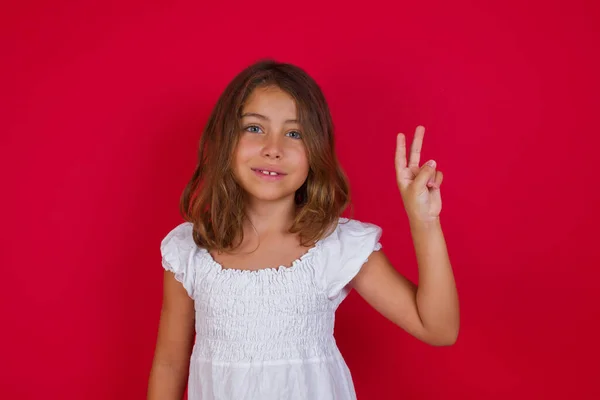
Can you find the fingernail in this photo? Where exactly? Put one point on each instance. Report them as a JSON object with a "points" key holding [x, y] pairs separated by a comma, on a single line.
{"points": [[431, 163]]}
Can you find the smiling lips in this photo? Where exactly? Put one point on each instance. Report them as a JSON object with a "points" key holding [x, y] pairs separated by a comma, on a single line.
{"points": [[270, 174]]}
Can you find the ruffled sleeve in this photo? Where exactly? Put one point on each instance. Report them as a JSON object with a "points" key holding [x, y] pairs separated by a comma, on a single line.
{"points": [[177, 249], [353, 243]]}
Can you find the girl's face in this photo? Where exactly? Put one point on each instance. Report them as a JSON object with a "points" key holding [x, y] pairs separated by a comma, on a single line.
{"points": [[270, 161]]}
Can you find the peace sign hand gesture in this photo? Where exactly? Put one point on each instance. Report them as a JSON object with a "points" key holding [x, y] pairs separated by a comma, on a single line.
{"points": [[419, 185]]}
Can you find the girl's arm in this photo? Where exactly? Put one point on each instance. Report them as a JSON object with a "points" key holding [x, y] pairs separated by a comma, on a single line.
{"points": [[430, 312], [169, 374]]}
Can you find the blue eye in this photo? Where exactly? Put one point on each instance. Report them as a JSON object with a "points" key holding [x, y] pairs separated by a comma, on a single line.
{"points": [[294, 134], [252, 129]]}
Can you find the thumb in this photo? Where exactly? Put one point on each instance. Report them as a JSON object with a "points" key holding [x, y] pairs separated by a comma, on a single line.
{"points": [[426, 174]]}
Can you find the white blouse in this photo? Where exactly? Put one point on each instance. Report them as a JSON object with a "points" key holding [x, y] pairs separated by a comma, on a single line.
{"points": [[268, 334]]}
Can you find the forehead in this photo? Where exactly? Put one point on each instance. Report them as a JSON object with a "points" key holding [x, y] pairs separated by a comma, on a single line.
{"points": [[270, 101]]}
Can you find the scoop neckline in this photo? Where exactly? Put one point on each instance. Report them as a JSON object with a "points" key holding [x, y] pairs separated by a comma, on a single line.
{"points": [[277, 270], [271, 270]]}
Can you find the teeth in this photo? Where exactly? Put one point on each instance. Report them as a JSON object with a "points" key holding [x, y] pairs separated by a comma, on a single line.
{"points": [[269, 173]]}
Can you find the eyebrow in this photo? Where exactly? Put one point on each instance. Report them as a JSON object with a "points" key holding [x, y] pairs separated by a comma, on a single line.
{"points": [[260, 116]]}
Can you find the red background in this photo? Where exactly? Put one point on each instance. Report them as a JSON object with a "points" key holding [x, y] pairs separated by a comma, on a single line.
{"points": [[101, 108]]}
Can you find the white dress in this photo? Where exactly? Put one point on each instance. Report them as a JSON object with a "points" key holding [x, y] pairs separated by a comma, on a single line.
{"points": [[268, 334]]}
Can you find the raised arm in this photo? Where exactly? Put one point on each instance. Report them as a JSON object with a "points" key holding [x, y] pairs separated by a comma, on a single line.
{"points": [[429, 311]]}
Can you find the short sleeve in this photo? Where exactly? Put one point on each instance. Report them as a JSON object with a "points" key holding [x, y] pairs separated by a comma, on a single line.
{"points": [[177, 250], [355, 241]]}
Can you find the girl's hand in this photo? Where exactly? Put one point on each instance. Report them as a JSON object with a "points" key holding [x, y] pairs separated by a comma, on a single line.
{"points": [[419, 185]]}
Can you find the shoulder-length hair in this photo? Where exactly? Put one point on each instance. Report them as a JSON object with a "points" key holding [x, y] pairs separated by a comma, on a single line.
{"points": [[214, 202]]}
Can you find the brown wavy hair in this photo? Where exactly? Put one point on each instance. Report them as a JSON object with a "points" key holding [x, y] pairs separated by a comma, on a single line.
{"points": [[214, 202]]}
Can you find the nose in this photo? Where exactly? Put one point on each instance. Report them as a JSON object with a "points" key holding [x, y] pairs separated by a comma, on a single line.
{"points": [[272, 148]]}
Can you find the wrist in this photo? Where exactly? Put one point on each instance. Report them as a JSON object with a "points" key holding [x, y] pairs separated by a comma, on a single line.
{"points": [[424, 225]]}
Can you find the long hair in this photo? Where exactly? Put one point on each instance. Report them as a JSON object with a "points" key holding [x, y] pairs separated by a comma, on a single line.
{"points": [[214, 202]]}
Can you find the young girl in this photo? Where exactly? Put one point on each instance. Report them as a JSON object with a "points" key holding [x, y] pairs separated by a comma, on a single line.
{"points": [[254, 277]]}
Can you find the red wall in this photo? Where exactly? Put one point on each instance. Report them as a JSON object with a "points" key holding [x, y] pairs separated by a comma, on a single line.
{"points": [[100, 113]]}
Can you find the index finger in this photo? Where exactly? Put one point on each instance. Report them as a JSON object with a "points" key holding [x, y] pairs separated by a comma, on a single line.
{"points": [[416, 146], [400, 151]]}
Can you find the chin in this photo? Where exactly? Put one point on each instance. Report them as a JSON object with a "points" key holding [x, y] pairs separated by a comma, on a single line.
{"points": [[271, 195]]}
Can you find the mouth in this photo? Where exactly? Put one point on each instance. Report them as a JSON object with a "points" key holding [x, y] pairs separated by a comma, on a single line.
{"points": [[268, 173]]}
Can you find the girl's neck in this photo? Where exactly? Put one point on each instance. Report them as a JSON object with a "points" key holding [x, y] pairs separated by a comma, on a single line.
{"points": [[270, 217]]}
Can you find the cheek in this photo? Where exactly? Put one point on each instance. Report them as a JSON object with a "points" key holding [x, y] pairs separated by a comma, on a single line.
{"points": [[301, 159], [244, 151]]}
